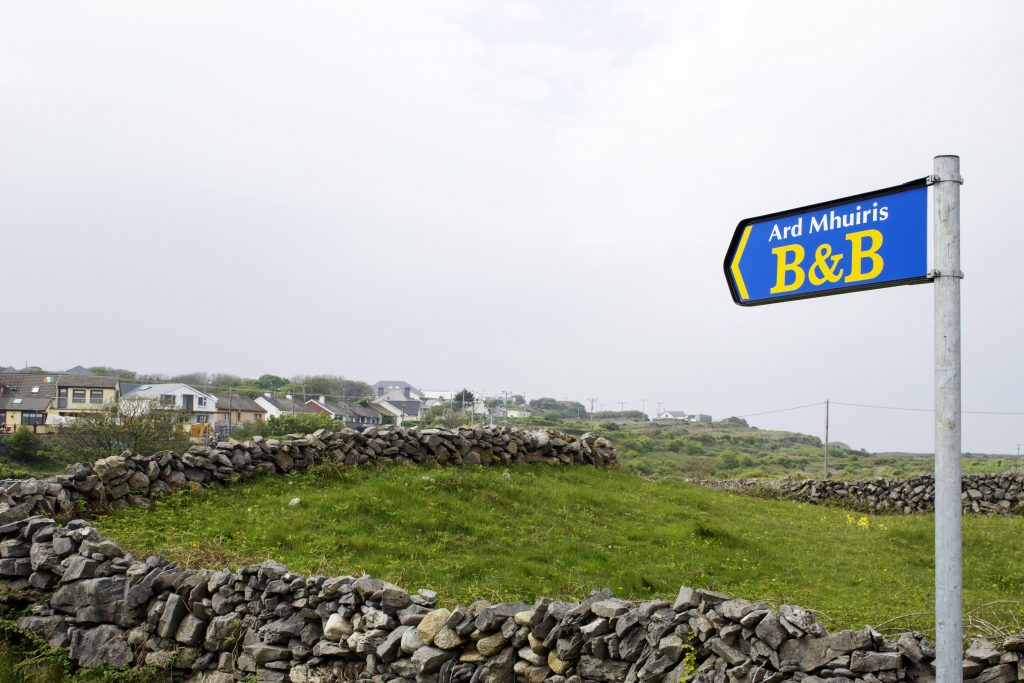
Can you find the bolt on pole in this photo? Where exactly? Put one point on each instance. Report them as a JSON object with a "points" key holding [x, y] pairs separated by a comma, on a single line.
{"points": [[948, 544]]}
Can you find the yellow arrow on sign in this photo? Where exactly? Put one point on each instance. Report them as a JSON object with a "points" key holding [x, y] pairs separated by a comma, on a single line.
{"points": [[735, 267]]}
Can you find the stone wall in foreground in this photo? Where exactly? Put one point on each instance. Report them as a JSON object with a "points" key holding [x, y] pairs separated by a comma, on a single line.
{"points": [[125, 480], [108, 608], [980, 493]]}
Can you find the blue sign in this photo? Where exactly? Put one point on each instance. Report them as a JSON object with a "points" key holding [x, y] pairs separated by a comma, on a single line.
{"points": [[871, 240]]}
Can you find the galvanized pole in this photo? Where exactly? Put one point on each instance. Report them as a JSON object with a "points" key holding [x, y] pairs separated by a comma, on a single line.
{"points": [[949, 641]]}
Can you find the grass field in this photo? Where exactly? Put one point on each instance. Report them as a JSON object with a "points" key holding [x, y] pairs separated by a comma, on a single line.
{"points": [[560, 532]]}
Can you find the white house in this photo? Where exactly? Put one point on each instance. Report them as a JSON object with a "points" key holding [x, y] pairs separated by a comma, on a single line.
{"points": [[673, 415], [201, 405], [286, 405]]}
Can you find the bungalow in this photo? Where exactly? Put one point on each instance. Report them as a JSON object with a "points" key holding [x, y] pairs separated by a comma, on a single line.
{"points": [[234, 410], [673, 415], [200, 406], [286, 405], [351, 414], [399, 411]]}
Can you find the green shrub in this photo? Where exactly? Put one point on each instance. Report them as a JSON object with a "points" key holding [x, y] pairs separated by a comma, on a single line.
{"points": [[301, 423], [24, 445]]}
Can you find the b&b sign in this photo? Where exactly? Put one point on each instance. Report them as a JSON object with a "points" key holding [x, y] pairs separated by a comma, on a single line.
{"points": [[871, 240]]}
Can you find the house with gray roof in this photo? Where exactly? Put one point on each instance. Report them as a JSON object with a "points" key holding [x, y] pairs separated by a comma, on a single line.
{"points": [[236, 410], [282, 405], [352, 414], [397, 389], [44, 400]]}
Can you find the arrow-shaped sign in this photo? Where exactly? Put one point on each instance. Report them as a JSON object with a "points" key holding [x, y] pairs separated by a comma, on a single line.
{"points": [[870, 240]]}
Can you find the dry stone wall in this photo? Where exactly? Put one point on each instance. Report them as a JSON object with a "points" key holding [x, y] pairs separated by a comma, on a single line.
{"points": [[264, 621], [128, 479], [980, 493]]}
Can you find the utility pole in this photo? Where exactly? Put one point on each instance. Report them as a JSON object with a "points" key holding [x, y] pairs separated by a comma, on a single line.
{"points": [[949, 618], [659, 411], [826, 439], [643, 408], [622, 408], [591, 408]]}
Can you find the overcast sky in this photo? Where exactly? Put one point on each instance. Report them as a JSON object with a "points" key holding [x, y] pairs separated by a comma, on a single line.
{"points": [[531, 196]]}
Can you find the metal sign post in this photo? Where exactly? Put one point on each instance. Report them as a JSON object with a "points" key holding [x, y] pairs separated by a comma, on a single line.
{"points": [[879, 239], [948, 554]]}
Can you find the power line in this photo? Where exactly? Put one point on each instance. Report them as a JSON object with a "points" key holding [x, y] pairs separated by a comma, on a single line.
{"points": [[927, 410], [783, 410]]}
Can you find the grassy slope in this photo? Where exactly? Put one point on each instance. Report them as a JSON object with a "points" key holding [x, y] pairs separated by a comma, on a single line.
{"points": [[562, 532]]}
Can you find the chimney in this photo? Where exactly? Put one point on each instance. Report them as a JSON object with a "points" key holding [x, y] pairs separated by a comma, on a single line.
{"points": [[266, 394], [323, 400], [288, 396]]}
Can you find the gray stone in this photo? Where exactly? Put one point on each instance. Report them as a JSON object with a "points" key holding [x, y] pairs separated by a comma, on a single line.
{"points": [[843, 642], [428, 660], [687, 599], [609, 608], [606, 670], [910, 648], [262, 653], [101, 646], [982, 650], [735, 610], [499, 668], [493, 616], [863, 662], [771, 631], [411, 641], [219, 630], [595, 628], [802, 618], [191, 631], [174, 611], [54, 629], [1003, 673], [525, 653], [1014, 644], [391, 648], [807, 653]]}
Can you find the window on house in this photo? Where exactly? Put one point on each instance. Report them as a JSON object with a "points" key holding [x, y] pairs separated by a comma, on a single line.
{"points": [[32, 417], [35, 390], [167, 399], [202, 418], [95, 396], [201, 401], [62, 397], [78, 395]]}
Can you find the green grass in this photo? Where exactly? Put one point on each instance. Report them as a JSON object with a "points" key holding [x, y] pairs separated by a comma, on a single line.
{"points": [[561, 532]]}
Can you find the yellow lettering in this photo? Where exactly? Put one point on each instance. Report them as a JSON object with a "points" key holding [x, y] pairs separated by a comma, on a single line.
{"points": [[859, 254], [784, 266]]}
